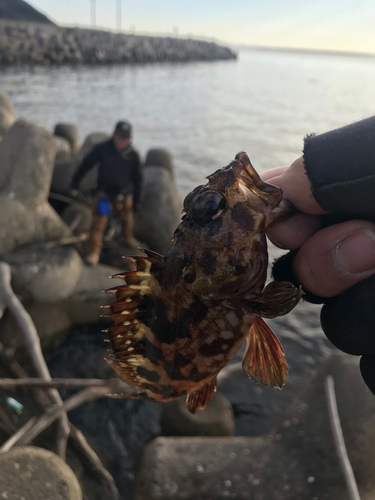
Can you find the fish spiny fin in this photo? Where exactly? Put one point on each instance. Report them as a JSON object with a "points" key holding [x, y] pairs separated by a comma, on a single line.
{"points": [[264, 359], [126, 371], [198, 400], [128, 333]]}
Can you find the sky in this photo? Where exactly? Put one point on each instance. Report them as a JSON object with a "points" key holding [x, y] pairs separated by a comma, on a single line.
{"points": [[344, 25]]}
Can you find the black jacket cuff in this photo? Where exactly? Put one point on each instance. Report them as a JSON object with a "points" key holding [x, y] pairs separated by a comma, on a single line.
{"points": [[341, 167]]}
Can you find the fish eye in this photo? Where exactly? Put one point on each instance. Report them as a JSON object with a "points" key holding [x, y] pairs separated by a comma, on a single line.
{"points": [[208, 206], [190, 197]]}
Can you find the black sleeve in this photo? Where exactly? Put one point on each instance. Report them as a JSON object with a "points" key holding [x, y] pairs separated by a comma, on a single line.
{"points": [[341, 167], [138, 181], [87, 164]]}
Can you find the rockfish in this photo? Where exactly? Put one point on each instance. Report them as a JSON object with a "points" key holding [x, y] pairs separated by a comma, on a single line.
{"points": [[181, 317]]}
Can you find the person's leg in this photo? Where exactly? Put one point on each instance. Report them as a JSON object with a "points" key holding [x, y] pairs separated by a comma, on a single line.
{"points": [[95, 242], [124, 210]]}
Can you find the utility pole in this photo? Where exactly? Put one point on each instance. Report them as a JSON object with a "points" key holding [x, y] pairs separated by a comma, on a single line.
{"points": [[93, 13], [119, 15]]}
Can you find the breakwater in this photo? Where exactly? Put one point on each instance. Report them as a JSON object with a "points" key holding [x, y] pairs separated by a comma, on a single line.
{"points": [[45, 44]]}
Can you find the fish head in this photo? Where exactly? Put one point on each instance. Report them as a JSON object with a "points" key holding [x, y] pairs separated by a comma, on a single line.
{"points": [[222, 234]]}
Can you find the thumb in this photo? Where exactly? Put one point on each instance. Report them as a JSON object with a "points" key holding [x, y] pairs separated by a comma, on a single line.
{"points": [[336, 258]]}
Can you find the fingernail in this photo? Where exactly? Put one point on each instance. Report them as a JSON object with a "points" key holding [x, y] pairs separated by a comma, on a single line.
{"points": [[356, 253]]}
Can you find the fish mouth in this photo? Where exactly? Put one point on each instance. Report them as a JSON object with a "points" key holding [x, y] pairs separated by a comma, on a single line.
{"points": [[270, 195]]}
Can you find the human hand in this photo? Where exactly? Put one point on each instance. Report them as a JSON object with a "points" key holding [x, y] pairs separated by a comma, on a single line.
{"points": [[329, 260], [336, 263]]}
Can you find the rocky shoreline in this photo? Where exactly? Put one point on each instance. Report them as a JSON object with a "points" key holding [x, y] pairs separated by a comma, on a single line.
{"points": [[46, 44]]}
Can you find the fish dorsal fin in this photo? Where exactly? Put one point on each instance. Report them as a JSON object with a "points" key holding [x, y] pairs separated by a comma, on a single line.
{"points": [[129, 336], [264, 359], [198, 400]]}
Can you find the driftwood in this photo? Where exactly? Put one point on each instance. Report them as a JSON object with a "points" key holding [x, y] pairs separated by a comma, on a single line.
{"points": [[32, 342], [76, 439], [114, 385], [5, 423], [91, 460], [46, 399], [339, 439], [68, 240], [29, 432]]}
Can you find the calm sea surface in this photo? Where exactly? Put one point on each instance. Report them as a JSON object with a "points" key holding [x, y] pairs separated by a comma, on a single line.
{"points": [[204, 113]]}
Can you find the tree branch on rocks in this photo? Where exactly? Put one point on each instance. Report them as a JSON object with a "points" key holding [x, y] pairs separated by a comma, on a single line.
{"points": [[112, 385], [77, 440], [32, 342], [69, 240], [53, 413], [5, 423]]}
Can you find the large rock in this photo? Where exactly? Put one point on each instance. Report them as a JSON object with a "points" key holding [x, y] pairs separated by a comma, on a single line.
{"points": [[6, 103], [297, 459], [62, 148], [215, 420], [7, 116], [43, 274], [62, 177], [59, 292], [31, 473], [26, 161], [63, 172], [69, 132], [162, 205], [88, 183], [78, 217]]}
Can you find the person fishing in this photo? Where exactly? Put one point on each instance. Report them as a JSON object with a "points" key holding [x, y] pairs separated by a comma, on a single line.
{"points": [[119, 187]]}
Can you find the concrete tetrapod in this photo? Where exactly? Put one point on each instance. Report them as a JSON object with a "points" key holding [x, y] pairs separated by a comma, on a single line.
{"points": [[36, 474], [296, 460]]}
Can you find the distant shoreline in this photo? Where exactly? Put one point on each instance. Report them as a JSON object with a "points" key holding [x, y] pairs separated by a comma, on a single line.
{"points": [[340, 53], [29, 43]]}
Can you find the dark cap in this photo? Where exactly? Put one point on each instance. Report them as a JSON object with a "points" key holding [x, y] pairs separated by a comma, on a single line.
{"points": [[123, 129]]}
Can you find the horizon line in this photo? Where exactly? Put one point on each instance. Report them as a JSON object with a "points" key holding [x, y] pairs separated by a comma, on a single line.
{"points": [[335, 52]]}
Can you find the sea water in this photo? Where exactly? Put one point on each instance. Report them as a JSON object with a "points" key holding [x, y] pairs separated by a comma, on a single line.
{"points": [[204, 113]]}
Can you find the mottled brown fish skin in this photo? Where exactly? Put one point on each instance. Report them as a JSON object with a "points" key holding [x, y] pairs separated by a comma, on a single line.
{"points": [[181, 317]]}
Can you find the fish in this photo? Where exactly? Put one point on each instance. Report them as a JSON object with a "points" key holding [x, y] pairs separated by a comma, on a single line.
{"points": [[182, 316]]}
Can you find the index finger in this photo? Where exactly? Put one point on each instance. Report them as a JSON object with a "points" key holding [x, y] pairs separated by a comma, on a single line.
{"points": [[273, 172]]}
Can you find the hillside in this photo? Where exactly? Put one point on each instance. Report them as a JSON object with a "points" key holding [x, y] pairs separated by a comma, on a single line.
{"points": [[22, 11]]}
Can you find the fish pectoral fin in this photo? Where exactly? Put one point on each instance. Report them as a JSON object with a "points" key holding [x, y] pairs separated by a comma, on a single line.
{"points": [[277, 299], [198, 400], [264, 359]]}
